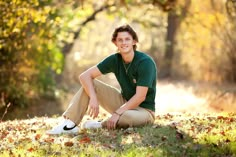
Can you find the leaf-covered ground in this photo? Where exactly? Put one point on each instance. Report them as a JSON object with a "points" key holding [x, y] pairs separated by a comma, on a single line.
{"points": [[171, 135], [175, 134]]}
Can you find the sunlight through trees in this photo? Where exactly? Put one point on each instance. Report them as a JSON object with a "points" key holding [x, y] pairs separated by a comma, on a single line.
{"points": [[42, 42]]}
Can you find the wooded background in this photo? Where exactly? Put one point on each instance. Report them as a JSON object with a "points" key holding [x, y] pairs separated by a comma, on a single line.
{"points": [[46, 43]]}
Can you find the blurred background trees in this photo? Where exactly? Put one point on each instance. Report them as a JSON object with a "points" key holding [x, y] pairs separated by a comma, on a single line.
{"points": [[30, 51], [45, 44]]}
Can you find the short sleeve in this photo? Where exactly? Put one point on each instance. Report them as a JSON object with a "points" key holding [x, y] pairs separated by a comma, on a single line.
{"points": [[107, 65], [146, 73]]}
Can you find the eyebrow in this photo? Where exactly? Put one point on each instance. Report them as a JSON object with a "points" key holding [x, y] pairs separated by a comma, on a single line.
{"points": [[124, 38]]}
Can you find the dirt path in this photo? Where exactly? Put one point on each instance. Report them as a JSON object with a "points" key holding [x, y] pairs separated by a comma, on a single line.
{"points": [[173, 96]]}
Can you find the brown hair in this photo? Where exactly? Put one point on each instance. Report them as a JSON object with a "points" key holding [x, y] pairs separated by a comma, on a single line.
{"points": [[125, 28]]}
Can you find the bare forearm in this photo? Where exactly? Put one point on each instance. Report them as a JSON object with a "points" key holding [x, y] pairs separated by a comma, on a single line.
{"points": [[87, 83], [86, 80], [134, 102]]}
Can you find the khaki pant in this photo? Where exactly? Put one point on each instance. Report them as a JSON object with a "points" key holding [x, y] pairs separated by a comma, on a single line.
{"points": [[110, 99]]}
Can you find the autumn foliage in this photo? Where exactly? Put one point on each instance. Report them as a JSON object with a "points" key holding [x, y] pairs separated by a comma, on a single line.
{"points": [[171, 135], [46, 44]]}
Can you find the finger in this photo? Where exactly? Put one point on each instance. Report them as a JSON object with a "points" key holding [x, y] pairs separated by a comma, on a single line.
{"points": [[97, 112], [109, 125], [89, 111], [114, 125], [94, 113]]}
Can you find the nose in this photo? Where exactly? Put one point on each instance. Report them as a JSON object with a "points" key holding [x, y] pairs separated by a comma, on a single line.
{"points": [[123, 42]]}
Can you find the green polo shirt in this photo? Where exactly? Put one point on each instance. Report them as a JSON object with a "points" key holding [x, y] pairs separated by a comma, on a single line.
{"points": [[141, 71]]}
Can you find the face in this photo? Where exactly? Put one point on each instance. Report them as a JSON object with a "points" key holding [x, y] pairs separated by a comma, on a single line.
{"points": [[124, 42]]}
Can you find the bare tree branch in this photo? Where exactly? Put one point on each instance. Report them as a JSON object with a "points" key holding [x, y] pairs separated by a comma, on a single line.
{"points": [[90, 18]]}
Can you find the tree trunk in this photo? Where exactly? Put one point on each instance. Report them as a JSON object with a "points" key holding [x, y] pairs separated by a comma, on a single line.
{"points": [[170, 43], [173, 22]]}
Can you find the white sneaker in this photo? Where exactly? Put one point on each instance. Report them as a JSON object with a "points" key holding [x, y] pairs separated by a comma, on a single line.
{"points": [[92, 124], [67, 127]]}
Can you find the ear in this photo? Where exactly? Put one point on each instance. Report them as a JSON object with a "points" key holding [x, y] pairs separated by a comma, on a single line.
{"points": [[114, 42], [134, 42]]}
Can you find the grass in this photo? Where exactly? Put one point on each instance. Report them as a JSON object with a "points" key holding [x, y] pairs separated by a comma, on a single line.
{"points": [[181, 134], [171, 135]]}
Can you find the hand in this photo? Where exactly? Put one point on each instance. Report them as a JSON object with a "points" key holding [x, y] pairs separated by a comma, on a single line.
{"points": [[112, 121], [93, 108]]}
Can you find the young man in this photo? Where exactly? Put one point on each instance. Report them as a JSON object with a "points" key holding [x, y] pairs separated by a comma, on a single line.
{"points": [[133, 106]]}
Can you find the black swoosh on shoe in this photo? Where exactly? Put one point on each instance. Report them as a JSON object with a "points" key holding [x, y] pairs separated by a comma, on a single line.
{"points": [[66, 128]]}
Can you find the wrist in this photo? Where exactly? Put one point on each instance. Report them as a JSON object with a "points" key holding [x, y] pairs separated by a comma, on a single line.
{"points": [[93, 97], [116, 113]]}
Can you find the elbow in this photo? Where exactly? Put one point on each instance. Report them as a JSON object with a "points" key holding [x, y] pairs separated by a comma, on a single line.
{"points": [[85, 76], [142, 98], [82, 77]]}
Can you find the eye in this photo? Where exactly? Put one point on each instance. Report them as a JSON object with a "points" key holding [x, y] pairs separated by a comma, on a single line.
{"points": [[127, 39], [119, 40]]}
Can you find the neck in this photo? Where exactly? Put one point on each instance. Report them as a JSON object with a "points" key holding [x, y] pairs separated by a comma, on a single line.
{"points": [[128, 57]]}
